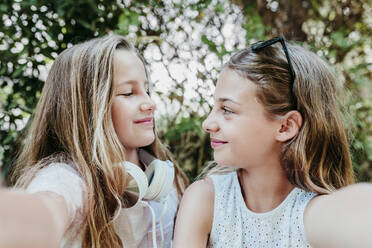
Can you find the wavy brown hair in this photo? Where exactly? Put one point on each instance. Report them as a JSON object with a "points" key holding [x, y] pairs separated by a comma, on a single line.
{"points": [[318, 158], [72, 123]]}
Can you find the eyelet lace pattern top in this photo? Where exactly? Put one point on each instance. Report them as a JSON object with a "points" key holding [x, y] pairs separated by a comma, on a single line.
{"points": [[234, 225], [134, 225]]}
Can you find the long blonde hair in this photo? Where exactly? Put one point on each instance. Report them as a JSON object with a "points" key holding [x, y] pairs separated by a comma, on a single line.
{"points": [[72, 124], [318, 158]]}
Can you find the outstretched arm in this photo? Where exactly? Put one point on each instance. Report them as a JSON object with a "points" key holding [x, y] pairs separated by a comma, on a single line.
{"points": [[341, 219], [195, 216], [31, 220]]}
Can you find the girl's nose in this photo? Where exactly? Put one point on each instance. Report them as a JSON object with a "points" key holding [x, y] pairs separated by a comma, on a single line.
{"points": [[209, 125], [148, 105]]}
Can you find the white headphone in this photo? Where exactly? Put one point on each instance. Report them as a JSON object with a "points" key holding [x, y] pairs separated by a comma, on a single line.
{"points": [[157, 180], [153, 184]]}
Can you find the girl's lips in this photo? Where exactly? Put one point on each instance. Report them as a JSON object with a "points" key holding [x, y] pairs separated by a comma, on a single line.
{"points": [[216, 143], [146, 121]]}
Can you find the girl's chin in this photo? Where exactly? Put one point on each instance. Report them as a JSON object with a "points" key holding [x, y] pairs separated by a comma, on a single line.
{"points": [[225, 161], [139, 142], [220, 159], [147, 141]]}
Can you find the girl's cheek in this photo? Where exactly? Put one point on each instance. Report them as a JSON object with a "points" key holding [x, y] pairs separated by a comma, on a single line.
{"points": [[228, 117]]}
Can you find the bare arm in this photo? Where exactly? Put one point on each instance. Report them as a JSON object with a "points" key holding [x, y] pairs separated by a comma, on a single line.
{"points": [[31, 220], [195, 216], [341, 219]]}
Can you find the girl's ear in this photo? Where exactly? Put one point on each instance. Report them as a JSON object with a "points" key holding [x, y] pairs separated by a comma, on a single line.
{"points": [[291, 123]]}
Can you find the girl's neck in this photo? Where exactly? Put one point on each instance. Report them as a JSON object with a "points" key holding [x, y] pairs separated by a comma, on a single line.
{"points": [[264, 188], [131, 155]]}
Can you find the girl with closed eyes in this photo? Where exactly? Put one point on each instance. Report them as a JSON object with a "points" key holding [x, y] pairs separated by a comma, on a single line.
{"points": [[92, 138]]}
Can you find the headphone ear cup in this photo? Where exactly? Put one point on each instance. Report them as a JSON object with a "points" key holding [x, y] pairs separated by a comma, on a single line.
{"points": [[140, 180], [160, 175]]}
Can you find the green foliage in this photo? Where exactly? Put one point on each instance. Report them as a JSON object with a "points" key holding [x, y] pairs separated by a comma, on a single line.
{"points": [[191, 124], [190, 144], [220, 51], [126, 19], [338, 38], [200, 5], [253, 24]]}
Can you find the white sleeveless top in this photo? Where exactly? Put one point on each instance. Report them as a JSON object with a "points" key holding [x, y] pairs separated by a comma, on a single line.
{"points": [[134, 225], [234, 225]]}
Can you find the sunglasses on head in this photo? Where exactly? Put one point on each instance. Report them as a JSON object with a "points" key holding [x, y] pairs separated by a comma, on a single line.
{"points": [[262, 44]]}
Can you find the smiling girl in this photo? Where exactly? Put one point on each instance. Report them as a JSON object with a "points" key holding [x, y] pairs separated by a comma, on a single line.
{"points": [[281, 152], [94, 113]]}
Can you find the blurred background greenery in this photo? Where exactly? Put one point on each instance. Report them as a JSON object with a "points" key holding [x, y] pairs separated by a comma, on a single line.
{"points": [[184, 43]]}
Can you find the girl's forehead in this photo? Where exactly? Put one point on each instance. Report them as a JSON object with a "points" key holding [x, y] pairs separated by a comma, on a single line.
{"points": [[128, 67], [126, 58], [231, 85]]}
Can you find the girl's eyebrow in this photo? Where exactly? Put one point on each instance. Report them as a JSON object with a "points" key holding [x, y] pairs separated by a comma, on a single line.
{"points": [[131, 82], [225, 99]]}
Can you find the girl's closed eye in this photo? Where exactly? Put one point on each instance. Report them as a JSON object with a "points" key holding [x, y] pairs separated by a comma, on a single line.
{"points": [[227, 111], [127, 94]]}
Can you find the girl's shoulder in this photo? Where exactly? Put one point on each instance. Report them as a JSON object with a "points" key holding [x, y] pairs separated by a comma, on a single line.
{"points": [[195, 215], [198, 200], [203, 190], [57, 176], [62, 180], [203, 187], [57, 167]]}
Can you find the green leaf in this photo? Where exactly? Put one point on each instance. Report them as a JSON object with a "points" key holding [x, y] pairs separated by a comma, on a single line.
{"points": [[200, 5], [18, 71], [127, 18], [340, 39], [85, 24], [211, 45], [3, 70], [3, 7], [219, 8]]}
